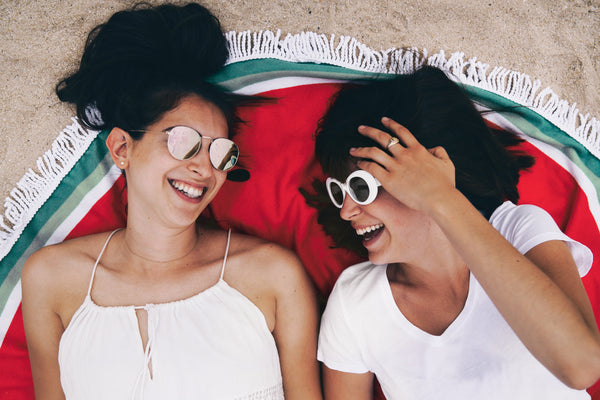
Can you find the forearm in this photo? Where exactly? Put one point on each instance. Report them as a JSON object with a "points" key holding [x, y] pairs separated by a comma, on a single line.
{"points": [[546, 320]]}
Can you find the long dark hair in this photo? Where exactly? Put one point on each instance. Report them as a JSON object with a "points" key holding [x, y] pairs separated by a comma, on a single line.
{"points": [[143, 61], [438, 113]]}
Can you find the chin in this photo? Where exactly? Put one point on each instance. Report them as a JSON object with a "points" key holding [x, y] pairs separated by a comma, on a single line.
{"points": [[378, 259]]}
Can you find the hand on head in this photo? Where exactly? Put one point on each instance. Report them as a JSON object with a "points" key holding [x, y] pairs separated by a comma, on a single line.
{"points": [[414, 175]]}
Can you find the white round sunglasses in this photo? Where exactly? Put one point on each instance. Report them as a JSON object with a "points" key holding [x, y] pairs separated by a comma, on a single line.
{"points": [[360, 185]]}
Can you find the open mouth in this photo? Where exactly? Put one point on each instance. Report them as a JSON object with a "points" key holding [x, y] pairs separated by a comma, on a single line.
{"points": [[187, 190], [370, 232]]}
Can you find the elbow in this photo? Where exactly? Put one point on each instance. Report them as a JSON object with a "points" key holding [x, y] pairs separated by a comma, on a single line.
{"points": [[583, 375], [581, 381]]}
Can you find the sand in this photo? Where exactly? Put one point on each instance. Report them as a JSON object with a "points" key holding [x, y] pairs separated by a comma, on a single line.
{"points": [[555, 41]]}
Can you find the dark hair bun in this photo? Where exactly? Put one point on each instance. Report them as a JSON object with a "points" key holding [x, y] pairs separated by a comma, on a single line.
{"points": [[140, 52]]}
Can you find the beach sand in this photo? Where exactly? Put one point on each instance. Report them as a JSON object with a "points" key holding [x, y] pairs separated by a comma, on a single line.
{"points": [[555, 41]]}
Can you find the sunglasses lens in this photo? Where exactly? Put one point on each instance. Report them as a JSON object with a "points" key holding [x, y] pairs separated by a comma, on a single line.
{"points": [[183, 142], [336, 193], [360, 189], [223, 154]]}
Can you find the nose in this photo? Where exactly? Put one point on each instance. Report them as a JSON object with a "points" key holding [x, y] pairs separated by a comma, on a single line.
{"points": [[200, 163], [350, 209]]}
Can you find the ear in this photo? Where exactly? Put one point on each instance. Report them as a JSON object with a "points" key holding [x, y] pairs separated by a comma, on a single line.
{"points": [[118, 143]]}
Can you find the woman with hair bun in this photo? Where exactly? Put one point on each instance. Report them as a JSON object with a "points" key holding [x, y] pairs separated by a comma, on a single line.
{"points": [[166, 308]]}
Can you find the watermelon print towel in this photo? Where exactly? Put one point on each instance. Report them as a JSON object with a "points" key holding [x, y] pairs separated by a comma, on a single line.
{"points": [[77, 190]]}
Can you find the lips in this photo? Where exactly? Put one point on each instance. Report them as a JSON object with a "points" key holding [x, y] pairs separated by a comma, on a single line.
{"points": [[369, 232], [188, 190]]}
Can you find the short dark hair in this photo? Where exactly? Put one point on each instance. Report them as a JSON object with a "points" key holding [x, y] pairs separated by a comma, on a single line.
{"points": [[143, 61], [437, 112]]}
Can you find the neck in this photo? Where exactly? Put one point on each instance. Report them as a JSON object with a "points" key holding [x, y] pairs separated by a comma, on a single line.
{"points": [[452, 279], [160, 247], [438, 267]]}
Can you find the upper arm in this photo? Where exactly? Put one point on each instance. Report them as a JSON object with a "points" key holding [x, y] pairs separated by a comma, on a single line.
{"points": [[347, 386], [555, 260], [295, 328], [43, 326]]}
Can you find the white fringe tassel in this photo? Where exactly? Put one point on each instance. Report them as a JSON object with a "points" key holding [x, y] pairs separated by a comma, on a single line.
{"points": [[349, 53], [34, 189]]}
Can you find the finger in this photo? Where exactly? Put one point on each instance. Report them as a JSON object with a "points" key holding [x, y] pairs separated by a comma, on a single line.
{"points": [[403, 134], [439, 152], [371, 153], [374, 168], [381, 137]]}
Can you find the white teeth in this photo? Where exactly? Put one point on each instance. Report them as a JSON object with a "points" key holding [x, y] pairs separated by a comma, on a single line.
{"points": [[189, 191], [371, 228]]}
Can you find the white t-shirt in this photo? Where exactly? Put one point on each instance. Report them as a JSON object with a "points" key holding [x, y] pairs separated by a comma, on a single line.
{"points": [[477, 357]]}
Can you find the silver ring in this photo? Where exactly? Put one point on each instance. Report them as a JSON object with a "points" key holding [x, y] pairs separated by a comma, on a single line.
{"points": [[393, 140]]}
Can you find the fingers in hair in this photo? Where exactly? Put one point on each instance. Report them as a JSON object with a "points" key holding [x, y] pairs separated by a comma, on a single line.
{"points": [[377, 135], [370, 153], [406, 138]]}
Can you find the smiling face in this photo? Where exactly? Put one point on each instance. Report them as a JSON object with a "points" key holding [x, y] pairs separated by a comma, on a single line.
{"points": [[390, 231], [162, 188]]}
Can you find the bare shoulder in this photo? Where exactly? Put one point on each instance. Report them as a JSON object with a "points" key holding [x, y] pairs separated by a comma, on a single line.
{"points": [[53, 259], [270, 276], [59, 269], [263, 254], [276, 265]]}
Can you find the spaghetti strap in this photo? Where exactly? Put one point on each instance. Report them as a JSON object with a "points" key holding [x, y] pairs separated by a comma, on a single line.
{"points": [[98, 259], [225, 256]]}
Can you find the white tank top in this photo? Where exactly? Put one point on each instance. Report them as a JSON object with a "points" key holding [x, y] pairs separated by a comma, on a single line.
{"points": [[213, 345]]}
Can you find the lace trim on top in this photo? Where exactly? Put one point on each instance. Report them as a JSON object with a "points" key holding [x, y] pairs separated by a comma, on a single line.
{"points": [[272, 393]]}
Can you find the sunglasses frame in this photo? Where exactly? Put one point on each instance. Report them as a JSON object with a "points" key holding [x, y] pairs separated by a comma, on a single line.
{"points": [[168, 131], [372, 183]]}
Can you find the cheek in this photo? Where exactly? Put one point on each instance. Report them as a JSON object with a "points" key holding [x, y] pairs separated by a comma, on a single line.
{"points": [[386, 207], [151, 147], [147, 167], [220, 179], [140, 153]]}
